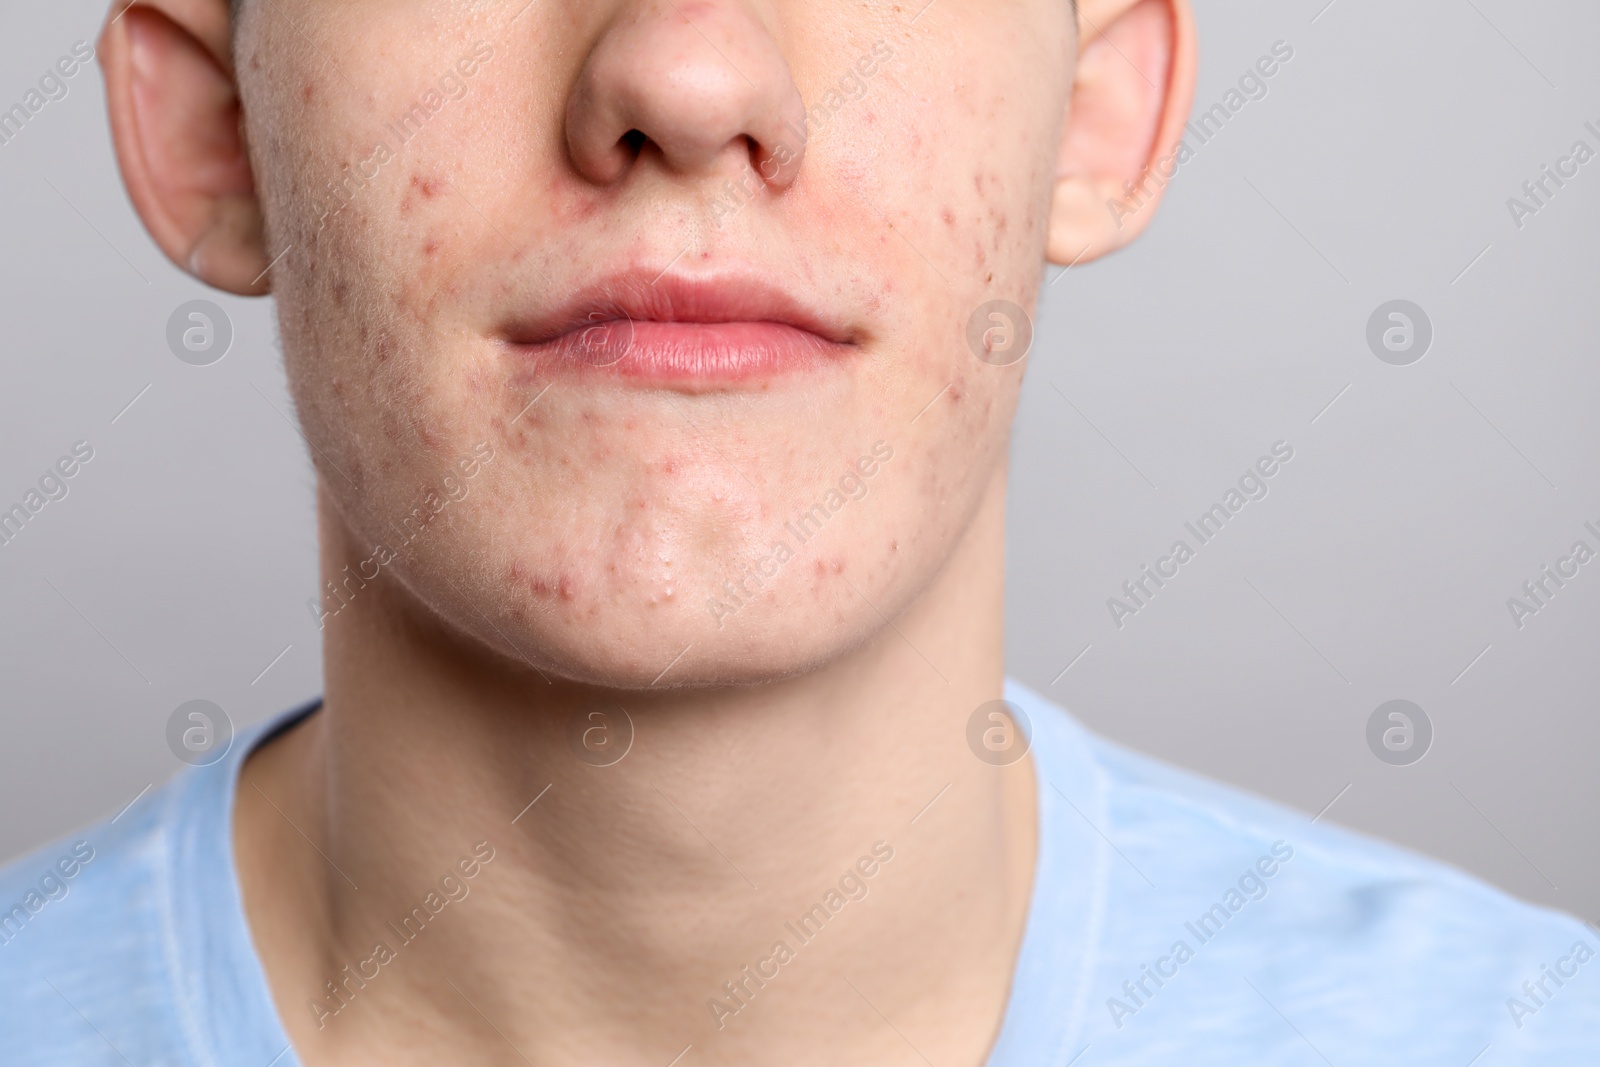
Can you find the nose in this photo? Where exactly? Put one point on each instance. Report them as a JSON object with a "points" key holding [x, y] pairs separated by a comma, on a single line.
{"points": [[701, 83]]}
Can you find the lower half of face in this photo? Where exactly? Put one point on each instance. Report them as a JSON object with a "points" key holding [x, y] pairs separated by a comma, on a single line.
{"points": [[596, 410]]}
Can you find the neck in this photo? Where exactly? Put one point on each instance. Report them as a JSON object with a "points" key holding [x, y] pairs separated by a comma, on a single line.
{"points": [[824, 847]]}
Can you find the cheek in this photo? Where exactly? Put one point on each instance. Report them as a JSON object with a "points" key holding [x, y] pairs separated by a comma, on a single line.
{"points": [[977, 149]]}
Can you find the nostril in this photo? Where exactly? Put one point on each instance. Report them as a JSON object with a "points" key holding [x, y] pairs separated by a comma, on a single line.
{"points": [[655, 89]]}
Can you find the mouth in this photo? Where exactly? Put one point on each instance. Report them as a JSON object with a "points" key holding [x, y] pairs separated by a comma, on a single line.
{"points": [[682, 331]]}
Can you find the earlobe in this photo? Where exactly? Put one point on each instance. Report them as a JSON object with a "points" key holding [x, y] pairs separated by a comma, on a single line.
{"points": [[175, 121], [1130, 100]]}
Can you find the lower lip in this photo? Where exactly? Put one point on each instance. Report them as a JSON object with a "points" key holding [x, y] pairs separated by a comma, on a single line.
{"points": [[686, 354]]}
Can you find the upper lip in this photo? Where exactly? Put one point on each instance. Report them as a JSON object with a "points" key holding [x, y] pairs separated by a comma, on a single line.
{"points": [[639, 296]]}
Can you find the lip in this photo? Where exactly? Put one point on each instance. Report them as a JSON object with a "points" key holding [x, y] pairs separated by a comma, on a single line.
{"points": [[681, 330]]}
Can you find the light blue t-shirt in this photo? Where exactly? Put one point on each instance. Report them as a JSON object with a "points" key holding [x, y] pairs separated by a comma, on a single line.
{"points": [[1174, 921]]}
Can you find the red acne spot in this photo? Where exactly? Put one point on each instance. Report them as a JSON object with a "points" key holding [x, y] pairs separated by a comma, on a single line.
{"points": [[955, 394], [307, 91], [430, 247], [948, 216], [894, 545], [559, 588], [820, 567], [428, 187]]}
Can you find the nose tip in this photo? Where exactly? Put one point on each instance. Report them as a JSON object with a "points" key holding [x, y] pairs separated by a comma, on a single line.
{"points": [[703, 83]]}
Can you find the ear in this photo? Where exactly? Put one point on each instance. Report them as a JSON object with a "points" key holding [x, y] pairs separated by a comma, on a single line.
{"points": [[175, 122], [1130, 100]]}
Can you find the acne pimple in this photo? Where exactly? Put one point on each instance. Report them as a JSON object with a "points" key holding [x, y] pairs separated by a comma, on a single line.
{"points": [[560, 586]]}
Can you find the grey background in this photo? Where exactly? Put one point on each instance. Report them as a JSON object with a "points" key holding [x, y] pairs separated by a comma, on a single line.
{"points": [[1377, 167]]}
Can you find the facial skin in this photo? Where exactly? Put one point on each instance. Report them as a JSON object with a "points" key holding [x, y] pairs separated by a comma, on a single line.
{"points": [[572, 142], [613, 513]]}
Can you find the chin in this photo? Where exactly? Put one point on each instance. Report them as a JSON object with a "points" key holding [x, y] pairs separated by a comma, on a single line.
{"points": [[631, 578], [603, 625]]}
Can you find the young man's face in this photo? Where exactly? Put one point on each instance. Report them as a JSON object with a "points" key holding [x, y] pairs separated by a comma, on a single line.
{"points": [[483, 206]]}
